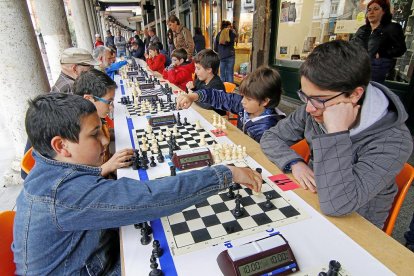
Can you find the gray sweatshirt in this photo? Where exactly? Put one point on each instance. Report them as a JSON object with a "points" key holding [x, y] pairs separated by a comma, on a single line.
{"points": [[354, 170]]}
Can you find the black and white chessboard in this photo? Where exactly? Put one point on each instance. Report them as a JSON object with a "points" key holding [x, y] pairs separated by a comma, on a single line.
{"points": [[188, 137], [212, 222], [136, 111]]}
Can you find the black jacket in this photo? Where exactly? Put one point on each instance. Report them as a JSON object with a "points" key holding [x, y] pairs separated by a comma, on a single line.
{"points": [[388, 40]]}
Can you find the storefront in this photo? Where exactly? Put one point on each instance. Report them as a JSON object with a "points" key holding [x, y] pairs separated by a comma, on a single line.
{"points": [[300, 25]]}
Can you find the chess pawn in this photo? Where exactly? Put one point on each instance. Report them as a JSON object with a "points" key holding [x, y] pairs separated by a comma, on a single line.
{"points": [[202, 139], [244, 152], [197, 125], [144, 147], [222, 156], [214, 120], [175, 131], [160, 137], [136, 102], [223, 124], [234, 154], [228, 155], [149, 128], [168, 133]]}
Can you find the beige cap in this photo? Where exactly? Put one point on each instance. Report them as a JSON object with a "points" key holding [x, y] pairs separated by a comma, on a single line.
{"points": [[77, 56]]}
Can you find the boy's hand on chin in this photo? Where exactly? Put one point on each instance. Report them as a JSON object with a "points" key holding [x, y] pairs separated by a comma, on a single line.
{"points": [[340, 117]]}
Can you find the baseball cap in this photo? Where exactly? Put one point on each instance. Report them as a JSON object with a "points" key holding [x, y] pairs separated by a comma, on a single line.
{"points": [[97, 35], [77, 56]]}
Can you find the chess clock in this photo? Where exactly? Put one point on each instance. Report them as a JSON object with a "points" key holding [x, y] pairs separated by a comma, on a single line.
{"points": [[268, 256], [146, 85], [192, 158], [162, 120], [151, 97]]}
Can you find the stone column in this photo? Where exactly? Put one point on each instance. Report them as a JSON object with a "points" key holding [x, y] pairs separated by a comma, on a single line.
{"points": [[103, 23], [54, 27], [22, 73], [261, 34], [80, 21], [90, 19]]}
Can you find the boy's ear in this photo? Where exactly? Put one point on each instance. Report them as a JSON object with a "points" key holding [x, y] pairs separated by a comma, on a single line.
{"points": [[88, 97], [59, 145], [209, 70], [357, 94], [265, 102]]}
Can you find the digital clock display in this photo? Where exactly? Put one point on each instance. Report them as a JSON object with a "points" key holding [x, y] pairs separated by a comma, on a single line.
{"points": [[264, 264], [195, 158], [162, 119]]}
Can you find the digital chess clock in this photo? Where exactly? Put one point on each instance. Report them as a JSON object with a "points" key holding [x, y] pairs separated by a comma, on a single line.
{"points": [[268, 256], [147, 86], [148, 97], [162, 120], [192, 158]]}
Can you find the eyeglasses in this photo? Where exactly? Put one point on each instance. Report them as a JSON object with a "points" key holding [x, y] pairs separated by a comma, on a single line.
{"points": [[317, 103], [373, 9], [104, 100]]}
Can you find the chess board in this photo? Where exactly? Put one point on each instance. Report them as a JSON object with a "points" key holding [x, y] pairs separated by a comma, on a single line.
{"points": [[188, 137], [132, 110], [212, 222]]}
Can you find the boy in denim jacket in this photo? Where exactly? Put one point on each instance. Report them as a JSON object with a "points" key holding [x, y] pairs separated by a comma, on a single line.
{"points": [[67, 209], [260, 93]]}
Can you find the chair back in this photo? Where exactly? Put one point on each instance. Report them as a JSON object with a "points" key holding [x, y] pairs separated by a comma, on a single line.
{"points": [[28, 161], [404, 180], [302, 148], [229, 86], [7, 266]]}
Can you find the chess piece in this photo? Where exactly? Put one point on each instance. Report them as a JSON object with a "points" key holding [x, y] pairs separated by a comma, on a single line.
{"points": [[244, 152], [160, 157], [185, 121], [154, 268], [160, 137], [172, 170], [223, 124], [145, 237], [157, 251], [153, 164], [238, 211], [202, 140], [334, 267], [269, 204], [175, 131], [138, 225], [214, 120], [170, 150], [197, 125], [179, 119], [259, 170], [230, 193]]}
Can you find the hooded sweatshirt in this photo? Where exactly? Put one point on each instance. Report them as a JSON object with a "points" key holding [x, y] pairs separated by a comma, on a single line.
{"points": [[354, 170]]}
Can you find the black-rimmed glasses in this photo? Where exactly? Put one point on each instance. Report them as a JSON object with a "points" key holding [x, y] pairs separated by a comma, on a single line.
{"points": [[317, 103]]}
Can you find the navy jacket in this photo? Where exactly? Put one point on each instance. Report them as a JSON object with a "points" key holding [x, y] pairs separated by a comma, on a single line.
{"points": [[232, 102], [226, 50]]}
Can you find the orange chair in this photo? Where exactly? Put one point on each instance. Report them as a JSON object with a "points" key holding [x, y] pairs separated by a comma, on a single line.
{"points": [[302, 148], [28, 161], [7, 266], [230, 87], [404, 180]]}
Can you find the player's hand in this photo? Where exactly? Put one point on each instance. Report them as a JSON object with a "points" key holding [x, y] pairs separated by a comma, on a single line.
{"points": [[184, 101], [247, 177], [190, 85], [146, 55], [340, 117], [121, 159], [304, 175]]}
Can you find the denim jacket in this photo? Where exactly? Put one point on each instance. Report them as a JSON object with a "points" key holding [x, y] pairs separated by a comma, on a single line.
{"points": [[64, 209], [232, 102]]}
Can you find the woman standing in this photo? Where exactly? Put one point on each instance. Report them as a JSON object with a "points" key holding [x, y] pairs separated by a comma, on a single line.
{"points": [[383, 39], [199, 40], [224, 45]]}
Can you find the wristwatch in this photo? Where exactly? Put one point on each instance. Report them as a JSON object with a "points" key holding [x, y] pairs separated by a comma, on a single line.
{"points": [[288, 167]]}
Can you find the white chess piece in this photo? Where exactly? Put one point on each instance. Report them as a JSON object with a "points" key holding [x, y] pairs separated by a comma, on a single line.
{"points": [[197, 125], [244, 152], [168, 132], [214, 120], [149, 128], [160, 137], [202, 139], [144, 147], [175, 131], [223, 123]]}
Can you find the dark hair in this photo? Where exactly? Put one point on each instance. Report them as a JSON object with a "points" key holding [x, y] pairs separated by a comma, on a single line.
{"points": [[159, 44], [173, 19], [152, 29], [338, 66], [263, 83], [385, 5], [179, 53], [154, 47], [55, 114], [197, 30], [208, 59], [93, 82], [225, 24]]}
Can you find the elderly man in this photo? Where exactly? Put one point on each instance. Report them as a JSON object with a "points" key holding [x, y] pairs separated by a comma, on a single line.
{"points": [[73, 62], [104, 56], [120, 44], [182, 36]]}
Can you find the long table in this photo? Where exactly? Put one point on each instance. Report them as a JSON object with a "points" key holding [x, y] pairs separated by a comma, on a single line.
{"points": [[361, 248]]}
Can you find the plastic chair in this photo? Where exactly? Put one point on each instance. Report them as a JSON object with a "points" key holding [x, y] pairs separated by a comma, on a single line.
{"points": [[28, 161], [302, 148], [404, 180], [230, 87], [7, 266]]}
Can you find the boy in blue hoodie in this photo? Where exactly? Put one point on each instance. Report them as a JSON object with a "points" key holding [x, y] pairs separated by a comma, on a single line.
{"points": [[260, 93]]}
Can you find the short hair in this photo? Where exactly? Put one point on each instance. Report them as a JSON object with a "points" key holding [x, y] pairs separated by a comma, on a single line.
{"points": [[337, 66], [208, 59], [265, 82], [225, 24], [173, 18], [154, 47], [152, 29], [385, 5], [93, 82], [197, 30], [179, 53], [99, 51], [55, 114]]}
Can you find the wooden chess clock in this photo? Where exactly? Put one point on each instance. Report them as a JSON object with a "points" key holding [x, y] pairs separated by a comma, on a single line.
{"points": [[162, 120], [268, 256], [192, 158]]}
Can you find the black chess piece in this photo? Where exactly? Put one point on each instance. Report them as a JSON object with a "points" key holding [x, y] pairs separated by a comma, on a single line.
{"points": [[179, 119], [145, 237], [160, 157], [144, 163], [334, 267], [157, 251], [153, 164], [138, 225], [154, 268], [185, 121], [269, 204], [147, 227], [172, 170], [238, 211], [230, 193], [259, 170], [236, 186]]}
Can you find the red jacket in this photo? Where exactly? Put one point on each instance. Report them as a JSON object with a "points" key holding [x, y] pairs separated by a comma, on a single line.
{"points": [[98, 43], [157, 63], [180, 75]]}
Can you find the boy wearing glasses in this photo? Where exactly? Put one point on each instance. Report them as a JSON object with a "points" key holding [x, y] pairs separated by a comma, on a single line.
{"points": [[99, 88], [355, 129]]}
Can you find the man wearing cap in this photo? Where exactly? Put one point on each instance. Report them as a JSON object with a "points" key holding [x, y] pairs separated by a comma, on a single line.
{"points": [[73, 62], [98, 41]]}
